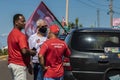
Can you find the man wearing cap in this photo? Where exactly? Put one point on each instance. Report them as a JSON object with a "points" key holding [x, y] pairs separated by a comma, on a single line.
{"points": [[51, 55], [35, 41]]}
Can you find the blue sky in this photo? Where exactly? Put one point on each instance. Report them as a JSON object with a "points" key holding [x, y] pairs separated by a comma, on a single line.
{"points": [[85, 10]]}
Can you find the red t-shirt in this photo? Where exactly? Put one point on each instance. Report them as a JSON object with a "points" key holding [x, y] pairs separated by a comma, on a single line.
{"points": [[16, 41], [53, 51]]}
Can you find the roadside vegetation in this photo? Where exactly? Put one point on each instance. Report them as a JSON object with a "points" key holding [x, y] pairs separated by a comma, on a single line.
{"points": [[3, 52]]}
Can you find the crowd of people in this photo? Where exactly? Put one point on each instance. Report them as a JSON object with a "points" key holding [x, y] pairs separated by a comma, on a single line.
{"points": [[41, 54]]}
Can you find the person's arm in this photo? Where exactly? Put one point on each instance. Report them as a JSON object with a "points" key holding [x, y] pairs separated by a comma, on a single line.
{"points": [[67, 51], [41, 60], [41, 56], [30, 69], [23, 43], [26, 51]]}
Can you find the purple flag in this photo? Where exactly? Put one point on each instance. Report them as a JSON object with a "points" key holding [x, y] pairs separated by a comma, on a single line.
{"points": [[41, 12]]}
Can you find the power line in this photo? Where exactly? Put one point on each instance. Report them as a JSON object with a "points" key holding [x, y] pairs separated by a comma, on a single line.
{"points": [[116, 7], [86, 4], [92, 6], [97, 3], [101, 5]]}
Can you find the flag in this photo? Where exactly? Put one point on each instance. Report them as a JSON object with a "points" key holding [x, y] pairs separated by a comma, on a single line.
{"points": [[41, 12], [116, 21], [63, 22]]}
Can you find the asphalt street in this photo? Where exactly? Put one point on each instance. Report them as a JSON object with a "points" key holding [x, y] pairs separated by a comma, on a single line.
{"points": [[4, 71]]}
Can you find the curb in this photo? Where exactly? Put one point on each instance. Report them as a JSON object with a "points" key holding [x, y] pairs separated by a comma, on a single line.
{"points": [[4, 56]]}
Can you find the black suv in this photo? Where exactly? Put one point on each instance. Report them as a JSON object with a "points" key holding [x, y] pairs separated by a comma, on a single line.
{"points": [[95, 54]]}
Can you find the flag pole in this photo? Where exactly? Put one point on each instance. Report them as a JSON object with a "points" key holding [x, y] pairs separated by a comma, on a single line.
{"points": [[67, 12]]}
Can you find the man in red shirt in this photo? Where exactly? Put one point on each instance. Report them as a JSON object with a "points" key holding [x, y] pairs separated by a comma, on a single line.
{"points": [[51, 55], [18, 51]]}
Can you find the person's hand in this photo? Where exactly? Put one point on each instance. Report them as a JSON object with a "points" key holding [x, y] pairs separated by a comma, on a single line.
{"points": [[33, 52], [34, 48], [45, 68], [30, 69]]}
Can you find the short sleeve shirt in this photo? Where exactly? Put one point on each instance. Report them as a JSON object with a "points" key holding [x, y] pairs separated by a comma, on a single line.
{"points": [[16, 41], [53, 50], [36, 42]]}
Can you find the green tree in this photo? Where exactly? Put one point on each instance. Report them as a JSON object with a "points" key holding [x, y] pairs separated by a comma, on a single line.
{"points": [[80, 25], [76, 22], [0, 51], [71, 25]]}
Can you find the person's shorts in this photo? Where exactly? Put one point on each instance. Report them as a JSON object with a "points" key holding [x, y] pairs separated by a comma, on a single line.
{"points": [[18, 72]]}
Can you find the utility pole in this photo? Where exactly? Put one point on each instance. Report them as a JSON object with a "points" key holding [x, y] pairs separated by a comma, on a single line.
{"points": [[111, 12], [66, 19], [98, 19]]}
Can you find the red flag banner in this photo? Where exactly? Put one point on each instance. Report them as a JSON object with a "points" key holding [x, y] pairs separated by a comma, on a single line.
{"points": [[116, 21], [41, 12]]}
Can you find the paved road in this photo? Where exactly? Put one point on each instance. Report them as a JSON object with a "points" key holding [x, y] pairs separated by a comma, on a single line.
{"points": [[4, 71]]}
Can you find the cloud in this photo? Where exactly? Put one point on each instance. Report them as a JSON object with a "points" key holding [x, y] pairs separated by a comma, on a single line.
{"points": [[4, 35]]}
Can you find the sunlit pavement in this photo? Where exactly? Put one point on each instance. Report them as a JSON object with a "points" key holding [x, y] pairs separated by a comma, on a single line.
{"points": [[4, 71], [4, 57]]}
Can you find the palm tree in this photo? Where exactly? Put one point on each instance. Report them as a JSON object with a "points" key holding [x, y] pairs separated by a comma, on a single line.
{"points": [[76, 22]]}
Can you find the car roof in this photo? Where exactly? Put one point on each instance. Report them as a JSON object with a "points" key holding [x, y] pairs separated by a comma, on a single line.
{"points": [[96, 30]]}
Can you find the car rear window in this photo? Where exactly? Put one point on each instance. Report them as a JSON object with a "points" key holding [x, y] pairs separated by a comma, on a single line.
{"points": [[86, 41]]}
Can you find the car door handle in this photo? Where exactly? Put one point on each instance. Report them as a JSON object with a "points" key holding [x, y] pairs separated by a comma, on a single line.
{"points": [[103, 61]]}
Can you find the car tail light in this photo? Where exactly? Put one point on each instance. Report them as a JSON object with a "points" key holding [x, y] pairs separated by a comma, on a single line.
{"points": [[66, 64]]}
